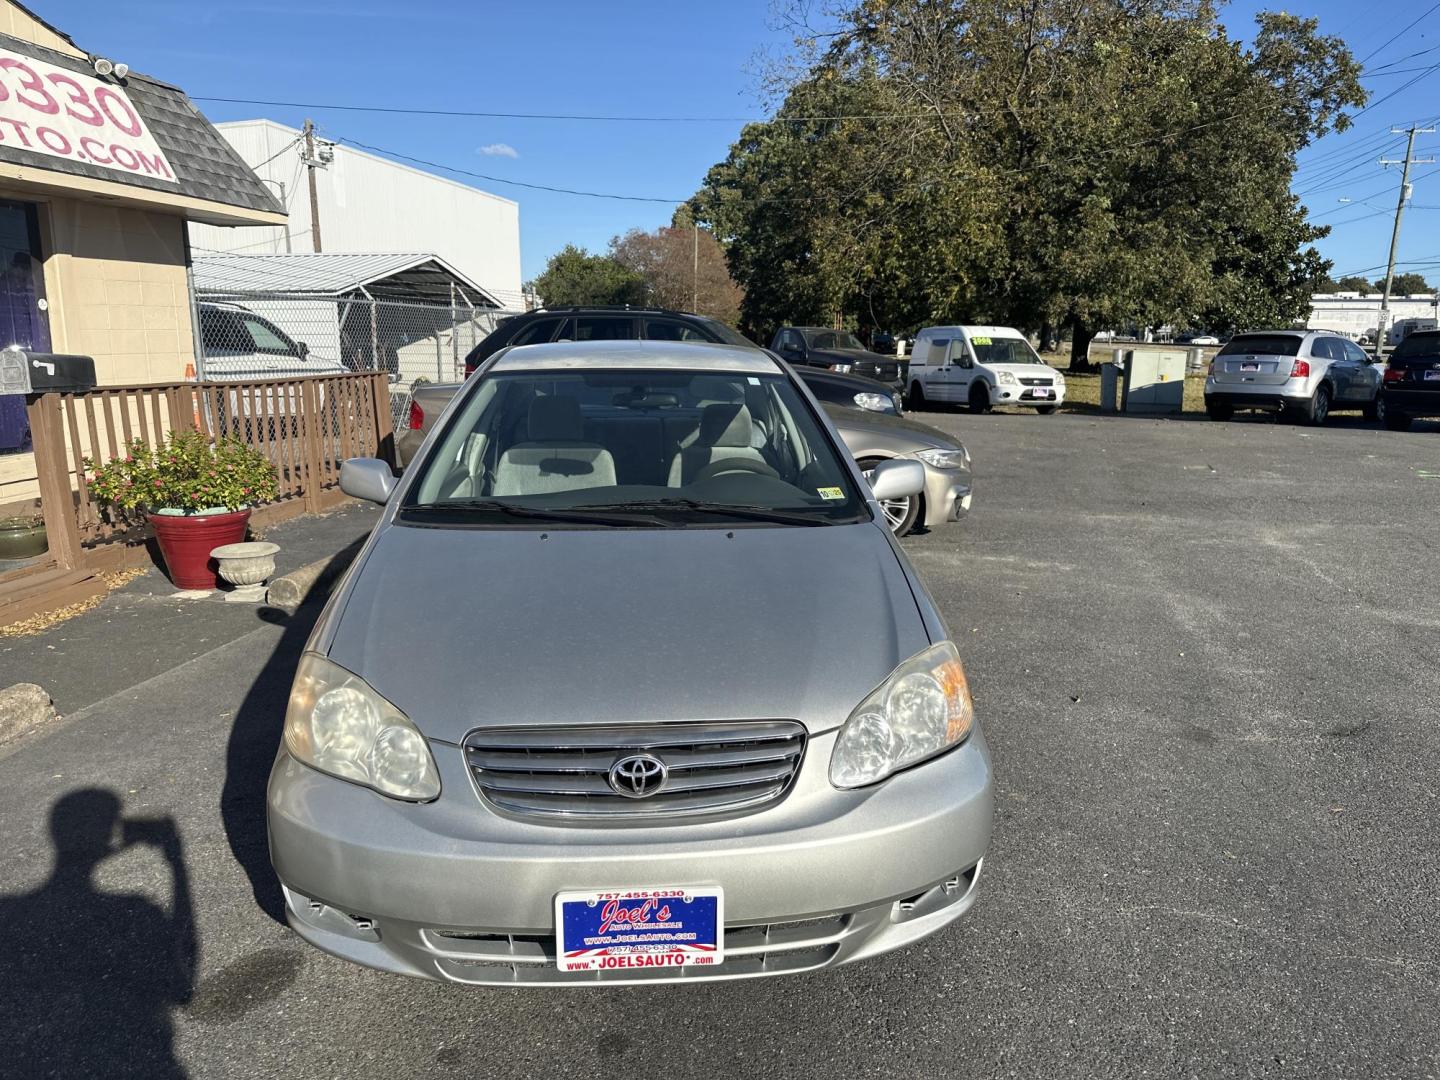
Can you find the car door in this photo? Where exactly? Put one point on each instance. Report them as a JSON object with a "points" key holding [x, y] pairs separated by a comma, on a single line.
{"points": [[936, 372], [1367, 375], [960, 371], [792, 346]]}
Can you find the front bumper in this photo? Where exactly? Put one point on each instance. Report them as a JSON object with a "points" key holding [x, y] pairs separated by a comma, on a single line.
{"points": [[948, 494], [1025, 395], [454, 891]]}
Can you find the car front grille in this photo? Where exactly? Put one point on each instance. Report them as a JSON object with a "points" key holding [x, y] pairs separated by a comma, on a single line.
{"points": [[757, 949], [1037, 382], [564, 772]]}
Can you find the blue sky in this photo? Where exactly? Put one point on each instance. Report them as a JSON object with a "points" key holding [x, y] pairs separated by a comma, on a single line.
{"points": [[676, 58]]}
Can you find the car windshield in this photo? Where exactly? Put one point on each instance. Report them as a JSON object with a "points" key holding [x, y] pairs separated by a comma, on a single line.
{"points": [[639, 448], [835, 339], [1003, 350], [1263, 345], [1417, 345]]}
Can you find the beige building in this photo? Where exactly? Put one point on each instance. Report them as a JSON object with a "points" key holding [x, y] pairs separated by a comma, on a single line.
{"points": [[100, 171]]}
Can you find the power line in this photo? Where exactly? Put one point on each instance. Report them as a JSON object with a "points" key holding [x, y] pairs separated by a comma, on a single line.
{"points": [[1429, 11]]}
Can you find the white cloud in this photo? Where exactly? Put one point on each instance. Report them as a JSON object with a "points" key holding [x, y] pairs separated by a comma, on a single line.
{"points": [[500, 149]]}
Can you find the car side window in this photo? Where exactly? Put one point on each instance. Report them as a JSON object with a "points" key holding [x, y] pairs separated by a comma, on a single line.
{"points": [[672, 330], [1323, 348], [1354, 352], [938, 348], [604, 328], [220, 330], [541, 330], [266, 338], [793, 341]]}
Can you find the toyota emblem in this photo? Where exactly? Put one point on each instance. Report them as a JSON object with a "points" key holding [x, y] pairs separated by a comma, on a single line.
{"points": [[638, 776]]}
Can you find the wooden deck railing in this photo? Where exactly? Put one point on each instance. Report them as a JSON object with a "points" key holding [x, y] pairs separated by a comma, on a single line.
{"points": [[306, 426]]}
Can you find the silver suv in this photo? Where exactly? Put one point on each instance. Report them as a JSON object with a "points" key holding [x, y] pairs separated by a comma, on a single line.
{"points": [[1301, 374]]}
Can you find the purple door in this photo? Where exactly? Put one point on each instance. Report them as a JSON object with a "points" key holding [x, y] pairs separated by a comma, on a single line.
{"points": [[23, 322]]}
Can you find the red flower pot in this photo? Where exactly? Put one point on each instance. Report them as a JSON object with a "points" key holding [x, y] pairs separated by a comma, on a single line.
{"points": [[187, 540]]}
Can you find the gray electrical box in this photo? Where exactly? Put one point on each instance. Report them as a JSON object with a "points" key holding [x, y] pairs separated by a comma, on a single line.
{"points": [[1154, 381], [24, 372]]}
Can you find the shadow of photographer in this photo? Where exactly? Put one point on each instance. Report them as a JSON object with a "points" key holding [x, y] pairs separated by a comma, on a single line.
{"points": [[91, 977]]}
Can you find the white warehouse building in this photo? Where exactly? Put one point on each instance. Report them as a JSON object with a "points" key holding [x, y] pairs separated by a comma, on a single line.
{"points": [[371, 204], [1359, 313]]}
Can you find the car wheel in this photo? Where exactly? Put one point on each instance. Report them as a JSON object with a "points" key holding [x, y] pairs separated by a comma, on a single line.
{"points": [[1315, 411], [1398, 421], [900, 514], [980, 399], [1218, 410], [1045, 410], [917, 397], [1375, 410]]}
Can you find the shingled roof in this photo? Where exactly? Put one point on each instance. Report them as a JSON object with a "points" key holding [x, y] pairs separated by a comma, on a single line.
{"points": [[206, 166]]}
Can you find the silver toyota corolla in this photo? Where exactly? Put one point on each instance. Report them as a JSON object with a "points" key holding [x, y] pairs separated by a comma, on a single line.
{"points": [[594, 705]]}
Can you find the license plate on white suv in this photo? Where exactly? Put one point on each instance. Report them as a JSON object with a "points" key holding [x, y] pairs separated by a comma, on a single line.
{"points": [[1041, 391], [635, 929]]}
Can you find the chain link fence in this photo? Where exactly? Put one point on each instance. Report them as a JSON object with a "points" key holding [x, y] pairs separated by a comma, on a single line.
{"points": [[246, 336]]}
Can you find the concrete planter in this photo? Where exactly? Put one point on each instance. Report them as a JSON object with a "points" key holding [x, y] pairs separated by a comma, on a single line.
{"points": [[246, 566]]}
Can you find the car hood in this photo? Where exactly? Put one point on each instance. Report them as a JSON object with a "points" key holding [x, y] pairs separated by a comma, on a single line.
{"points": [[1042, 371], [851, 356], [466, 628], [895, 429]]}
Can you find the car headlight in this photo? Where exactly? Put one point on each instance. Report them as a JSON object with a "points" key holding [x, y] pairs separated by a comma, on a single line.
{"points": [[336, 723], [843, 369], [875, 402], [945, 459], [921, 710], [1007, 378]]}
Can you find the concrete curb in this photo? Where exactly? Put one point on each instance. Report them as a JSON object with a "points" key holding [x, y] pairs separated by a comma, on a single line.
{"points": [[24, 708], [312, 581]]}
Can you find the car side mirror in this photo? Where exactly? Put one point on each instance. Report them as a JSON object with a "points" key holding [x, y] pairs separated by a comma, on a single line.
{"points": [[897, 478], [302, 349], [369, 478]]}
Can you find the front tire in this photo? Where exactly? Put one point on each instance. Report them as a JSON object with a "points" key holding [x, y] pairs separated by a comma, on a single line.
{"points": [[980, 399], [1045, 410], [917, 397], [900, 514]]}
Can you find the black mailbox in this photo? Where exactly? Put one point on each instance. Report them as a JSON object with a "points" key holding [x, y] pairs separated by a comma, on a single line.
{"points": [[24, 372]]}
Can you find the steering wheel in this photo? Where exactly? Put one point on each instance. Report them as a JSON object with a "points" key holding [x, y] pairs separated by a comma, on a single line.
{"points": [[734, 465]]}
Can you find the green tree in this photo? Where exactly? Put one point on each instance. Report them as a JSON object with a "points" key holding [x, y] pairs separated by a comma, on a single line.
{"points": [[683, 268], [1353, 284], [574, 276], [1036, 162], [1405, 285]]}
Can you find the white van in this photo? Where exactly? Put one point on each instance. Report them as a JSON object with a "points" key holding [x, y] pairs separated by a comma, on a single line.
{"points": [[981, 366]]}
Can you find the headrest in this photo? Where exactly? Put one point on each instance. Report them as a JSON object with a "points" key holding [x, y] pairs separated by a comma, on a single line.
{"points": [[724, 425], [555, 419]]}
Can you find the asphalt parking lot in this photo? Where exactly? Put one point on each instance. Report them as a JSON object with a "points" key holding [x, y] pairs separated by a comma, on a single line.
{"points": [[1204, 655]]}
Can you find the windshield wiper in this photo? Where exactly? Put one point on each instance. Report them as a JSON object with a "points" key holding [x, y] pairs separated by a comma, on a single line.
{"points": [[739, 510], [619, 515]]}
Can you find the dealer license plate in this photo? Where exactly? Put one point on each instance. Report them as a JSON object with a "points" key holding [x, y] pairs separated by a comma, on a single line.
{"points": [[1429, 375], [1041, 391], [1249, 367], [635, 929]]}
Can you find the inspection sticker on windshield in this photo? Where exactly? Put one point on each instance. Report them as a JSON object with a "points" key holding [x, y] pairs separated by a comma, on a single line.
{"points": [[639, 928], [830, 493]]}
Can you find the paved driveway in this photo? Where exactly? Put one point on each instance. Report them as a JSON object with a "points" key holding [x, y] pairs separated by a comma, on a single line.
{"points": [[1205, 656]]}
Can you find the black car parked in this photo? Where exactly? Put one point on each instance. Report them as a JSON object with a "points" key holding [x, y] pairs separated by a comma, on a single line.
{"points": [[852, 391], [835, 350], [1411, 385], [601, 324]]}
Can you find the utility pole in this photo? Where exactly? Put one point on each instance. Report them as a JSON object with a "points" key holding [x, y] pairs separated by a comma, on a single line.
{"points": [[695, 271], [311, 164], [1382, 329]]}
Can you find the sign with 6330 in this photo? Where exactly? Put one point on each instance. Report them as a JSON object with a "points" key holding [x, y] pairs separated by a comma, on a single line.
{"points": [[61, 113]]}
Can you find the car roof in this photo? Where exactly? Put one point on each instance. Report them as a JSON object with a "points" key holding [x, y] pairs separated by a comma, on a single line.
{"points": [[1273, 333], [666, 355], [983, 331]]}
